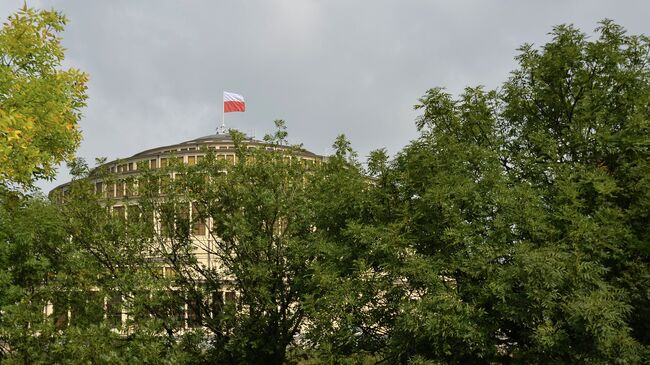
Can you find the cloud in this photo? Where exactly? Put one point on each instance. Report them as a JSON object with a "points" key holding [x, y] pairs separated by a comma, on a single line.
{"points": [[158, 68]]}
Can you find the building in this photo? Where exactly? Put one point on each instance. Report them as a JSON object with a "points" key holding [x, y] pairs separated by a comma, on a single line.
{"points": [[121, 193]]}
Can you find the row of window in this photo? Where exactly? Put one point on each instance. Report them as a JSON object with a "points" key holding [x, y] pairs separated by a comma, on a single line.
{"points": [[163, 162], [155, 163], [181, 223], [128, 188], [91, 308], [121, 189]]}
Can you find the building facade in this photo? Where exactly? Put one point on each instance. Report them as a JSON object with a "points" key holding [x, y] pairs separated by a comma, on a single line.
{"points": [[121, 194]]}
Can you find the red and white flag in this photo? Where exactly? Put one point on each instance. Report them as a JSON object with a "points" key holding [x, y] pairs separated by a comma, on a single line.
{"points": [[233, 102]]}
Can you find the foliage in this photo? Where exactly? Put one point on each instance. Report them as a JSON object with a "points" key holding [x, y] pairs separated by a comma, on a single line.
{"points": [[525, 204], [512, 230], [264, 234], [40, 103]]}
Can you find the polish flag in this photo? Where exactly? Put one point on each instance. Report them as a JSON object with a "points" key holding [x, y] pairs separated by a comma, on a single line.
{"points": [[233, 102]]}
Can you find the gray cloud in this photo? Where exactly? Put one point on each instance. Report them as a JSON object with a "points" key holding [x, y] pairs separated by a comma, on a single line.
{"points": [[327, 67]]}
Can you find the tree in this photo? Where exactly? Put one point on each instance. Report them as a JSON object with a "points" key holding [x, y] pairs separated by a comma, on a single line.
{"points": [[267, 238], [87, 267], [522, 207], [512, 230], [39, 111], [40, 103]]}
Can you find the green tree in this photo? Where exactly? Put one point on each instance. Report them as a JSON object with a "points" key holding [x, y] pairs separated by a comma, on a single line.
{"points": [[89, 268], [523, 208], [265, 210], [40, 103]]}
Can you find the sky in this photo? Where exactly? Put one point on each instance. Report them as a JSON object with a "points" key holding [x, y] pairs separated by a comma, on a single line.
{"points": [[158, 68]]}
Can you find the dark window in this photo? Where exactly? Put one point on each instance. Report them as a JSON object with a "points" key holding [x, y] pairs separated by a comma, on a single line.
{"points": [[131, 189], [165, 182], [230, 296], [217, 303], [60, 313], [198, 225], [133, 213], [119, 212], [114, 310], [119, 189], [86, 308], [194, 312], [177, 309], [110, 190]]}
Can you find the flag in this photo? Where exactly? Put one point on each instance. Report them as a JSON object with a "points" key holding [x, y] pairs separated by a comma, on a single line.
{"points": [[233, 102]]}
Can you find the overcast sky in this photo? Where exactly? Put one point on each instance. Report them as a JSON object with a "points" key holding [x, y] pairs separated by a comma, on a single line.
{"points": [[158, 68]]}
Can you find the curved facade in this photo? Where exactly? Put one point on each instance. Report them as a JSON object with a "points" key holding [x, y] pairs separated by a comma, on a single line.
{"points": [[121, 192], [121, 188], [189, 152]]}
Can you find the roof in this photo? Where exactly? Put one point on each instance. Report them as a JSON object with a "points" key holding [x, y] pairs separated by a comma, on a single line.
{"points": [[185, 147], [217, 138]]}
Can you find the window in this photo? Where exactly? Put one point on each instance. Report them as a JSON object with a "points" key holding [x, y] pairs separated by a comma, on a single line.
{"points": [[194, 312], [60, 312], [133, 213], [230, 296], [114, 310], [131, 166], [86, 308], [170, 273], [160, 272], [110, 190], [217, 303], [139, 313], [198, 225], [165, 182], [191, 160], [183, 221], [177, 308], [163, 162], [99, 188], [119, 212], [152, 164], [131, 189], [119, 189]]}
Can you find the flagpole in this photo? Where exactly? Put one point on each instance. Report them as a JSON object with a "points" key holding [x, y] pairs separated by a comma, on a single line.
{"points": [[222, 130]]}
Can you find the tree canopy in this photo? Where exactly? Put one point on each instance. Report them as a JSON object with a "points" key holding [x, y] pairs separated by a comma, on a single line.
{"points": [[512, 230], [40, 103]]}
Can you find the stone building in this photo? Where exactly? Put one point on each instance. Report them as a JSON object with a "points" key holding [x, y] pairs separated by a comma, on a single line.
{"points": [[121, 194]]}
